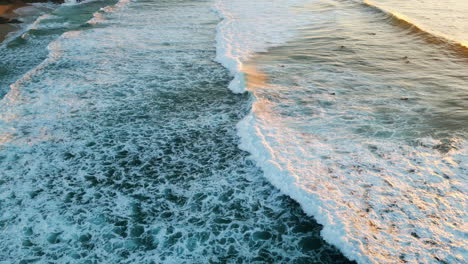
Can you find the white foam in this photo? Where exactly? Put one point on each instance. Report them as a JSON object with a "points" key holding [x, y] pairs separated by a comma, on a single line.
{"points": [[442, 19], [393, 204], [77, 2], [165, 73], [99, 17], [370, 206], [26, 11], [254, 26], [31, 16], [249, 27], [257, 137]]}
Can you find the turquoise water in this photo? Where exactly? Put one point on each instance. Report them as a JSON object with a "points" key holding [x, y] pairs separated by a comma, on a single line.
{"points": [[28, 47], [121, 148], [127, 134]]}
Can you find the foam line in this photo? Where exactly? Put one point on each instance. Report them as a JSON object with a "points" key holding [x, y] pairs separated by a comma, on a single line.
{"points": [[409, 23], [254, 26], [335, 191], [249, 27]]}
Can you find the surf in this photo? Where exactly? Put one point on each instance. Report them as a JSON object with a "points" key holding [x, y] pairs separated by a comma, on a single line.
{"points": [[430, 35], [121, 147], [344, 158]]}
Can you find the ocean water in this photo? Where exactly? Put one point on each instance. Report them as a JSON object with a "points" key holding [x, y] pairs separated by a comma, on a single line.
{"points": [[121, 147], [284, 131], [27, 48], [446, 19], [363, 120]]}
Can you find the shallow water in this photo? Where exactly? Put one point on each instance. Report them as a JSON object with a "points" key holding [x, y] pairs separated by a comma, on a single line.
{"points": [[27, 48], [121, 147], [364, 122], [446, 19]]}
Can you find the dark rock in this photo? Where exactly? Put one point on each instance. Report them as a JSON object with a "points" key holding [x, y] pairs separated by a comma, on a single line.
{"points": [[9, 2], [15, 21], [4, 20]]}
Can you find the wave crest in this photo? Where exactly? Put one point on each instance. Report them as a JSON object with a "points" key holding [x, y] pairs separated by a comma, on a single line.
{"points": [[429, 35]]}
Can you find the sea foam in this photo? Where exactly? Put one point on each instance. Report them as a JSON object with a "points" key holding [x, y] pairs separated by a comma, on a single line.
{"points": [[247, 28], [122, 148], [376, 193], [254, 26]]}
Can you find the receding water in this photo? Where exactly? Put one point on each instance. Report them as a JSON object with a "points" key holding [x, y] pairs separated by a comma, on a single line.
{"points": [[20, 54]]}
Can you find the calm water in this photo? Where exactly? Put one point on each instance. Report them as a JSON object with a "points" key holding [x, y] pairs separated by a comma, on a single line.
{"points": [[446, 19], [120, 141]]}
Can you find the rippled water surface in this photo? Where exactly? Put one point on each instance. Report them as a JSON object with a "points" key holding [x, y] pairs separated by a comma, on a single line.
{"points": [[447, 18], [364, 122]]}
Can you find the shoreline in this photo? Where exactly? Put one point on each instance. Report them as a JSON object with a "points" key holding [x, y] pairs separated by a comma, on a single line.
{"points": [[7, 11]]}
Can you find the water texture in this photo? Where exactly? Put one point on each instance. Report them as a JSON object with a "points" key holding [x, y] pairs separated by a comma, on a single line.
{"points": [[364, 123], [121, 147], [120, 141]]}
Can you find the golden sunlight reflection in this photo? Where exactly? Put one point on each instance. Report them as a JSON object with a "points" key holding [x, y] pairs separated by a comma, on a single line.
{"points": [[254, 77], [442, 19], [5, 137]]}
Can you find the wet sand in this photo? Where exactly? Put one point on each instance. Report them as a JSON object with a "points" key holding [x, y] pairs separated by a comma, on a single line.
{"points": [[6, 11]]}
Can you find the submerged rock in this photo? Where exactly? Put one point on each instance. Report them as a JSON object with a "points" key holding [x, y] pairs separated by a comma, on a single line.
{"points": [[4, 20]]}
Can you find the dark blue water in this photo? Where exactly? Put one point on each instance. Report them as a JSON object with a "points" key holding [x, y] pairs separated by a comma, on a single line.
{"points": [[121, 147]]}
